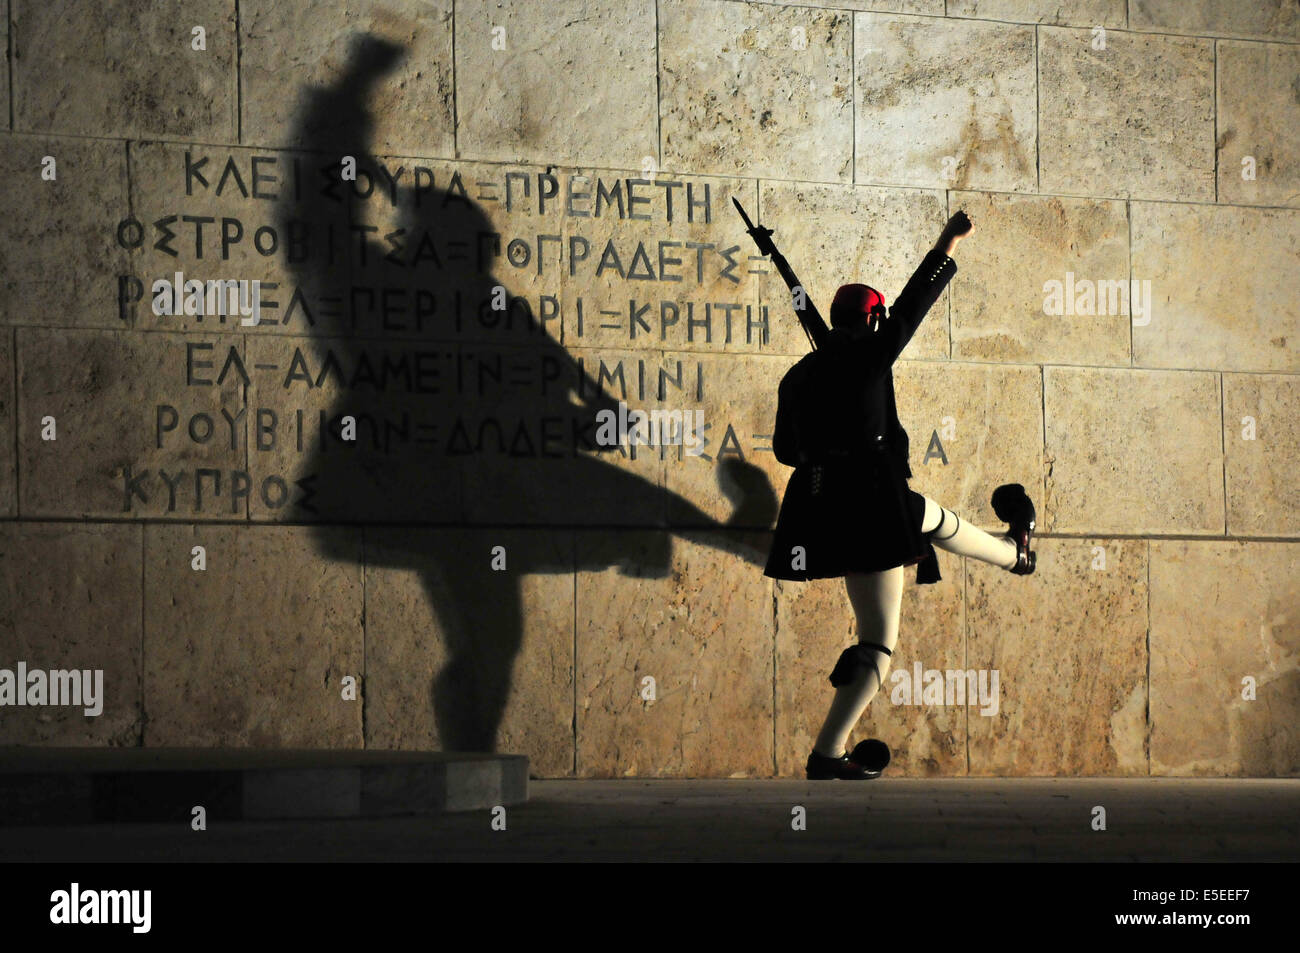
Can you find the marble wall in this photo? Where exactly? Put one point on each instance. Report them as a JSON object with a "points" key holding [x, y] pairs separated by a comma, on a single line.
{"points": [[539, 227]]}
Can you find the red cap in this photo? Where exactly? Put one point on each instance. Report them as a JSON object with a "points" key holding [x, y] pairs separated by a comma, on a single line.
{"points": [[852, 300]]}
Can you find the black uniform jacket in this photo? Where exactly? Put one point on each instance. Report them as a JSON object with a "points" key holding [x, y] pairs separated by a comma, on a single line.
{"points": [[847, 506]]}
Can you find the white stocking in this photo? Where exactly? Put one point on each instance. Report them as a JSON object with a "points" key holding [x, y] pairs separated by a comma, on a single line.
{"points": [[877, 598], [955, 535]]}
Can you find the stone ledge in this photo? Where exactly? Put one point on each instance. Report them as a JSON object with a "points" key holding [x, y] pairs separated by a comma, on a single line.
{"points": [[94, 785]]}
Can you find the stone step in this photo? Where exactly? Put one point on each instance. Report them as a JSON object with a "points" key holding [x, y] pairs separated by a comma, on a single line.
{"points": [[86, 785]]}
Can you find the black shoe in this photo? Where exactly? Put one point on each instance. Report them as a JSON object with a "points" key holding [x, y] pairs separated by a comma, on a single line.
{"points": [[1012, 505], [821, 768]]}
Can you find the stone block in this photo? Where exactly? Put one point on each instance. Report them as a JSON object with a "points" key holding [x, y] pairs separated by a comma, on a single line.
{"points": [[166, 797], [46, 798], [1260, 454], [74, 786], [537, 454], [1001, 296], [252, 651], [661, 263], [735, 478], [288, 52], [70, 600], [449, 782], [1258, 108], [8, 415], [932, 8], [838, 234], [1223, 612], [1107, 13], [217, 213], [59, 259], [124, 71], [4, 74], [815, 624], [1132, 451], [464, 657], [1135, 119], [1263, 19], [945, 103], [1220, 297], [972, 428], [467, 251], [1069, 644], [527, 94], [316, 792], [737, 95], [486, 785], [404, 252], [395, 466], [700, 626], [128, 408], [502, 435]]}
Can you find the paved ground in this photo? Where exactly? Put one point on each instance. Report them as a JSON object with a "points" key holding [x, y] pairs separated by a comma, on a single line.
{"points": [[886, 820]]}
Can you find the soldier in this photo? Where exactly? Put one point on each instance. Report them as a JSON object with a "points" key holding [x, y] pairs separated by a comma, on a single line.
{"points": [[848, 510]]}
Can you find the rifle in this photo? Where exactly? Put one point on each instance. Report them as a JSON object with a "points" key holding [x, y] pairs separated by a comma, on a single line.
{"points": [[809, 317]]}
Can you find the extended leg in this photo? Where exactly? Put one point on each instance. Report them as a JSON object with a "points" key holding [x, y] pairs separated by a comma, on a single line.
{"points": [[877, 599], [952, 533]]}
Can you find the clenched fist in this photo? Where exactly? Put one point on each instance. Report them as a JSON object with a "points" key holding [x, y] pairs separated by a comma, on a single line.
{"points": [[958, 227]]}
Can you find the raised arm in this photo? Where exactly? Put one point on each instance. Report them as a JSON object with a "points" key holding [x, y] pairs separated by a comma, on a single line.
{"points": [[813, 324], [809, 316], [921, 292]]}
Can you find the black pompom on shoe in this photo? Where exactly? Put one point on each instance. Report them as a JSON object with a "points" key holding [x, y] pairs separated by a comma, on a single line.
{"points": [[872, 754], [843, 768], [1013, 506]]}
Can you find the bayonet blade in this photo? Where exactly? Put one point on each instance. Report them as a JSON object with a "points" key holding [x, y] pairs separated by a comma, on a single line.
{"points": [[749, 226]]}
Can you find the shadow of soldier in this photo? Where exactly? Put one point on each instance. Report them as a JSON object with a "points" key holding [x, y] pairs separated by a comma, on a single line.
{"points": [[471, 421]]}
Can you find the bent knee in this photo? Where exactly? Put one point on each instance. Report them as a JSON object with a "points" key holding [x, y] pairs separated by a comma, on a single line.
{"points": [[933, 516]]}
